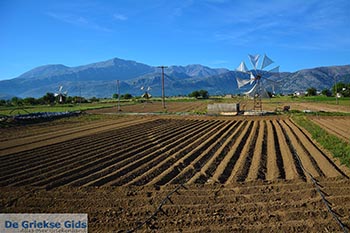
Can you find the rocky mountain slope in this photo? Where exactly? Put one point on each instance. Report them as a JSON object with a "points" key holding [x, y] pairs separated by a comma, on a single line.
{"points": [[99, 79]]}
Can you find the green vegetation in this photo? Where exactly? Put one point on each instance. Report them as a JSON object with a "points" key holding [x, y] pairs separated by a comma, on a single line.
{"points": [[311, 91], [339, 148], [341, 88], [201, 94]]}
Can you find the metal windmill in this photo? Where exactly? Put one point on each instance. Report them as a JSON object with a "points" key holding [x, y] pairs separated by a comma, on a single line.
{"points": [[147, 95], [258, 78], [61, 95]]}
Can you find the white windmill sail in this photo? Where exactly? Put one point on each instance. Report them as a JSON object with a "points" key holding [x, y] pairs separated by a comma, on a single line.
{"points": [[252, 91], [266, 62], [254, 60], [252, 78], [242, 82], [275, 70], [242, 67]]}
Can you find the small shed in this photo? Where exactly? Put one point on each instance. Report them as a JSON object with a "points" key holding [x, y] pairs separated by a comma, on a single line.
{"points": [[223, 109]]}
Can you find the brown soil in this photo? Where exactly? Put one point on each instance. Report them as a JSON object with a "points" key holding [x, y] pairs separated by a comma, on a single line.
{"points": [[238, 174], [339, 126], [312, 106], [156, 106]]}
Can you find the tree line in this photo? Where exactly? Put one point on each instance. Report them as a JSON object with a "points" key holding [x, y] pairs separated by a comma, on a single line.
{"points": [[48, 99], [342, 88]]}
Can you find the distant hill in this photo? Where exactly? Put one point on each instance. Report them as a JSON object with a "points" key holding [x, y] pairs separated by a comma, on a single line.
{"points": [[99, 79]]}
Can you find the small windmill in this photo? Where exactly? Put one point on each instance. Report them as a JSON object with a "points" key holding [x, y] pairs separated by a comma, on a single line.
{"points": [[146, 94], [61, 95], [258, 78]]}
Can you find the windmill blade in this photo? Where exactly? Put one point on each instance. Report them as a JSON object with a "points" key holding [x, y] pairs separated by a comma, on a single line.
{"points": [[264, 93], [274, 84], [252, 78], [142, 88], [252, 91], [242, 82], [242, 67], [275, 70], [60, 88], [55, 95], [266, 61], [254, 59], [149, 88]]}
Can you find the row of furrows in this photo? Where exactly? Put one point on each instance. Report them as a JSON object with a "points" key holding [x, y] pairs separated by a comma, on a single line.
{"points": [[76, 144], [181, 162], [101, 160], [175, 153], [92, 154], [279, 158], [335, 126], [323, 155], [222, 152], [25, 131], [201, 156], [295, 156], [224, 176], [242, 175], [64, 151], [167, 151], [62, 133], [132, 171], [309, 156], [116, 172], [262, 169]]}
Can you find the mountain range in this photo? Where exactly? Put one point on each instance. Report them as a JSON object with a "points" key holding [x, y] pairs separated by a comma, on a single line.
{"points": [[99, 80]]}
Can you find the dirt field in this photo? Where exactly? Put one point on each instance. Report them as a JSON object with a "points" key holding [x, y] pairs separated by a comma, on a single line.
{"points": [[220, 174], [156, 106], [339, 126], [312, 106]]}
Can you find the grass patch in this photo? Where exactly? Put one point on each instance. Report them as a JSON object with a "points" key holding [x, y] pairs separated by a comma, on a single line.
{"points": [[339, 148]]}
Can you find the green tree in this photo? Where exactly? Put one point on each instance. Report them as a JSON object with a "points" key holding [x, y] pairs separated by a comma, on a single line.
{"points": [[342, 88], [16, 101], [204, 94], [127, 96], [115, 96], [194, 94], [326, 92], [49, 98], [199, 94], [30, 101], [94, 99], [311, 91]]}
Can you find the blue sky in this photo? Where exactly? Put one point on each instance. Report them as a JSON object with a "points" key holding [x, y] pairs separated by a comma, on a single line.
{"points": [[296, 34]]}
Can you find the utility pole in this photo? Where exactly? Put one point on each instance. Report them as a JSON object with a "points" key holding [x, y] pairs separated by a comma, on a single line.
{"points": [[336, 89], [118, 92], [163, 100]]}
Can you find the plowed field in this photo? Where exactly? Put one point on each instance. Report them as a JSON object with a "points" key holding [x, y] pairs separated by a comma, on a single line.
{"points": [[220, 174], [339, 126]]}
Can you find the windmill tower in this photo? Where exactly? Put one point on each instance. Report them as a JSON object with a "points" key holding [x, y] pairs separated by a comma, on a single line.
{"points": [[257, 79]]}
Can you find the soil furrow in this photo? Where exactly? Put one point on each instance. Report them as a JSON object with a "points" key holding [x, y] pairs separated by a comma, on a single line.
{"points": [[229, 164]]}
